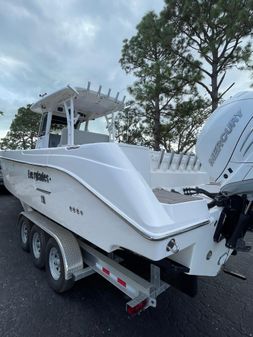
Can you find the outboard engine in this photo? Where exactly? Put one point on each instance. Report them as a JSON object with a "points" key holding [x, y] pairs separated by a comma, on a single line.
{"points": [[225, 150], [225, 145]]}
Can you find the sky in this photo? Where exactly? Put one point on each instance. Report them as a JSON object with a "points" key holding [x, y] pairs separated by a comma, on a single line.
{"points": [[46, 45]]}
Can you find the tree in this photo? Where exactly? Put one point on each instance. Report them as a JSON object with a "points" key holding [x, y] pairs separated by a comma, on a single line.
{"points": [[180, 134], [23, 130], [161, 75], [130, 126], [213, 30]]}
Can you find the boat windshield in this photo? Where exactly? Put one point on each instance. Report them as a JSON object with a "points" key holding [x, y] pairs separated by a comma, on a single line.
{"points": [[43, 124], [57, 124], [98, 125]]}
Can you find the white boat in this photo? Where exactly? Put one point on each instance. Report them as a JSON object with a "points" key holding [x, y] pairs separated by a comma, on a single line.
{"points": [[119, 196]]}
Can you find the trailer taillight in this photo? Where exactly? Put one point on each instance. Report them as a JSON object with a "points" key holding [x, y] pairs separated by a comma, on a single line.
{"points": [[137, 308], [106, 271], [121, 282]]}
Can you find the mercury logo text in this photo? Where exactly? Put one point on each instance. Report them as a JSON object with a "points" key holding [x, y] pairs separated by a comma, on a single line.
{"points": [[224, 136]]}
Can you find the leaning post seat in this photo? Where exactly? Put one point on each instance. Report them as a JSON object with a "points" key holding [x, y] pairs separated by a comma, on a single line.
{"points": [[83, 137]]}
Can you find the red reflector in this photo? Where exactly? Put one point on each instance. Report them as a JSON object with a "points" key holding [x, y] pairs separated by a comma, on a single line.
{"points": [[139, 307], [106, 271], [123, 283]]}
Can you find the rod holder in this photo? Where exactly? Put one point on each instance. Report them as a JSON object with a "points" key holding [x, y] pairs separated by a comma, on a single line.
{"points": [[171, 159], [180, 160], [188, 161], [99, 90], [161, 159]]}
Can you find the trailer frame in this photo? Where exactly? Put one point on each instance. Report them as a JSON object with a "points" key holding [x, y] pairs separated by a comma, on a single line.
{"points": [[81, 259]]}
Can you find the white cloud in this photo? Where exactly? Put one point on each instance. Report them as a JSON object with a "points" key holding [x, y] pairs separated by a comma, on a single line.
{"points": [[8, 63], [46, 45], [78, 30], [3, 132]]}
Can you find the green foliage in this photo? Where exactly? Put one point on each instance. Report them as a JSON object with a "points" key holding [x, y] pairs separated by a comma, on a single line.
{"points": [[162, 78], [213, 32], [180, 134], [130, 126], [23, 130], [192, 43]]}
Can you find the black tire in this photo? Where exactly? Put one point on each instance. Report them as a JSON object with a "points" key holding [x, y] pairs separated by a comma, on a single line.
{"points": [[24, 230], [38, 241], [55, 268]]}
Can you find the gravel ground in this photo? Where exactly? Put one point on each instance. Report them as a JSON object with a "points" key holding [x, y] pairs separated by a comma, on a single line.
{"points": [[28, 307]]}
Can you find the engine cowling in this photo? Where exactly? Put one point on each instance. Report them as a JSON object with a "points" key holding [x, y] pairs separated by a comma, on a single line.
{"points": [[225, 145]]}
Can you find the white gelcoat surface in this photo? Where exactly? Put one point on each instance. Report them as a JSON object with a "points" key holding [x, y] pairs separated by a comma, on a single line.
{"points": [[119, 207]]}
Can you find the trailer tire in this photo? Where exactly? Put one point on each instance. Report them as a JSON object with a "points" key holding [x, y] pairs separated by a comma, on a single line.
{"points": [[24, 230], [55, 268], [38, 240]]}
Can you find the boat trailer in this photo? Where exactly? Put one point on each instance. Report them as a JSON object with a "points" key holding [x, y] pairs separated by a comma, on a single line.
{"points": [[80, 260]]}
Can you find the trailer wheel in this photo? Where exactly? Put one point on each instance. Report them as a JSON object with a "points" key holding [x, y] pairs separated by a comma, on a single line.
{"points": [[38, 239], [55, 268], [24, 230]]}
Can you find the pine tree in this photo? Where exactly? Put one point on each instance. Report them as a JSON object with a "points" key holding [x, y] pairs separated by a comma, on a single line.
{"points": [[161, 76], [215, 31], [23, 130]]}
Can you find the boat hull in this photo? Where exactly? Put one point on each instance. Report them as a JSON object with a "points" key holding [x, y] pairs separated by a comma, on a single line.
{"points": [[60, 194]]}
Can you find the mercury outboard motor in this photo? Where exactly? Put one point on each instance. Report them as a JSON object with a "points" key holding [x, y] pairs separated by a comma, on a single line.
{"points": [[225, 150], [225, 145]]}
